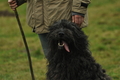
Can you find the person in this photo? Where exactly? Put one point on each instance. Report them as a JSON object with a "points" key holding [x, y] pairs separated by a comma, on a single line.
{"points": [[42, 13]]}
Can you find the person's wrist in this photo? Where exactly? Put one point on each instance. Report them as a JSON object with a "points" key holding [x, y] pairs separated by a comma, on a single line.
{"points": [[76, 13]]}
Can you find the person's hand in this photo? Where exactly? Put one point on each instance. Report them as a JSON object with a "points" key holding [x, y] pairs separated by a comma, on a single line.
{"points": [[77, 19], [13, 4]]}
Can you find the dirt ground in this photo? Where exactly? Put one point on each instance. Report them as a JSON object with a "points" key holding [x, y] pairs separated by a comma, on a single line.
{"points": [[6, 13]]}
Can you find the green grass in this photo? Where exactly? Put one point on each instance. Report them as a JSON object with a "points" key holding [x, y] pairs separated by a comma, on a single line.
{"points": [[103, 32]]}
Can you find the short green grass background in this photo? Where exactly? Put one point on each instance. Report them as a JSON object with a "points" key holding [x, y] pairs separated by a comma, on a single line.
{"points": [[103, 35]]}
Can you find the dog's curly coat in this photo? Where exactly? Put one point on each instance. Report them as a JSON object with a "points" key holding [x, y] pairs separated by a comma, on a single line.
{"points": [[69, 57]]}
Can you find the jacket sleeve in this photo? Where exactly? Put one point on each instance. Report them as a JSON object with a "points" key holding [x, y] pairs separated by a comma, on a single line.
{"points": [[19, 2], [80, 6]]}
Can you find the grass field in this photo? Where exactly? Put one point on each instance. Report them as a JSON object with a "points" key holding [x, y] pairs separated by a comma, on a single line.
{"points": [[103, 32]]}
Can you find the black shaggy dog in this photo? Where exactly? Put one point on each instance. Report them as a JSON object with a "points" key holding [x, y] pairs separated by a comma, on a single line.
{"points": [[69, 57]]}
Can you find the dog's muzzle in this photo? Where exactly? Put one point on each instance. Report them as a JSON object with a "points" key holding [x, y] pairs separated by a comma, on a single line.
{"points": [[63, 44]]}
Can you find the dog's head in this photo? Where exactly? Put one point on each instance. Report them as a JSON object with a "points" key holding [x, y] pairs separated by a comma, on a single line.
{"points": [[65, 35]]}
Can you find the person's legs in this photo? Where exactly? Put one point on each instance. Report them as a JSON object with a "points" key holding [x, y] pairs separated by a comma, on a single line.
{"points": [[44, 42]]}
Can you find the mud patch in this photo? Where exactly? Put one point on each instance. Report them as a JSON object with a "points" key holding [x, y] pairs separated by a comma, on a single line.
{"points": [[6, 13]]}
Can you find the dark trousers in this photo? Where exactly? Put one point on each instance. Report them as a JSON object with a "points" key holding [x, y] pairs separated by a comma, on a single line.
{"points": [[44, 43]]}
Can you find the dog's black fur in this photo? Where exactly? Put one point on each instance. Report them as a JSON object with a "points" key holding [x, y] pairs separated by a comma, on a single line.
{"points": [[69, 57]]}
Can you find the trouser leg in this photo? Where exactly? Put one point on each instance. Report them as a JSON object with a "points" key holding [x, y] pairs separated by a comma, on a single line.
{"points": [[44, 43]]}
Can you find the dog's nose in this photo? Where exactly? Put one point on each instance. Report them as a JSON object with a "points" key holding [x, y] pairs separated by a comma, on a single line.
{"points": [[61, 34]]}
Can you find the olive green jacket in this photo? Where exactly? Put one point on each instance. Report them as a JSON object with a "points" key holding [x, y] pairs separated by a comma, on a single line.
{"points": [[42, 13]]}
